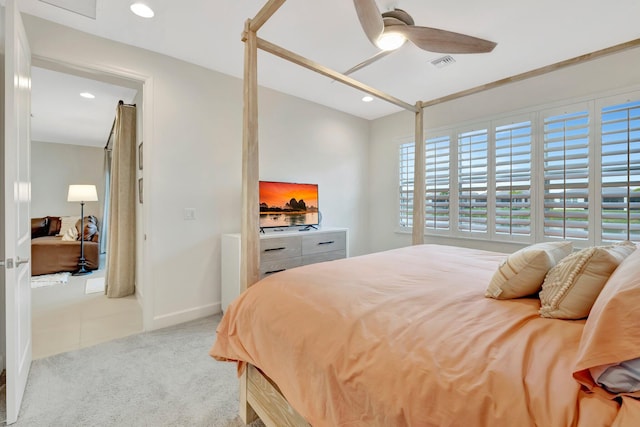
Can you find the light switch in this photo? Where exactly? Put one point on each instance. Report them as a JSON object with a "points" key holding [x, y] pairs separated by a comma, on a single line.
{"points": [[189, 214]]}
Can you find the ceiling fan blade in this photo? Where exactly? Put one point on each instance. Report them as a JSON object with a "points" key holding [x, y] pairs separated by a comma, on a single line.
{"points": [[370, 18], [368, 61], [442, 41]]}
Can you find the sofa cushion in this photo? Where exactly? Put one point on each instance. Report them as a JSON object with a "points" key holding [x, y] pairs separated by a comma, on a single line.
{"points": [[54, 225], [39, 227], [90, 227]]}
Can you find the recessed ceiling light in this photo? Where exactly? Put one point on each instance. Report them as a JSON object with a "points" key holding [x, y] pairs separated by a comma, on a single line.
{"points": [[87, 95], [142, 10], [367, 98]]}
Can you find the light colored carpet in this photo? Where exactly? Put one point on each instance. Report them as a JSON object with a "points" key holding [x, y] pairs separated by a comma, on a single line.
{"points": [[49, 280], [158, 378]]}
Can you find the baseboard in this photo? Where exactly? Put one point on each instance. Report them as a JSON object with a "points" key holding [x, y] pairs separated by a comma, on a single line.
{"points": [[178, 317]]}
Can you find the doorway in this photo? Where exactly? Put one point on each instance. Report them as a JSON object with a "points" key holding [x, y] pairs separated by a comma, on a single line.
{"points": [[68, 148]]}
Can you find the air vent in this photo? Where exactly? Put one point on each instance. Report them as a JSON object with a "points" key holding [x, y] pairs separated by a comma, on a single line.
{"points": [[443, 61]]}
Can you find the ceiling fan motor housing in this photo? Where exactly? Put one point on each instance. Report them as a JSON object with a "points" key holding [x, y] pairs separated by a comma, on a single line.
{"points": [[398, 14]]}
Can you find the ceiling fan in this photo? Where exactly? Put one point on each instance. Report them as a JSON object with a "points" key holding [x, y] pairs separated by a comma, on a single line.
{"points": [[390, 30]]}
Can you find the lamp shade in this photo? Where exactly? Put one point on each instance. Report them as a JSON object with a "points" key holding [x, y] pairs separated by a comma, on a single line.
{"points": [[82, 193]]}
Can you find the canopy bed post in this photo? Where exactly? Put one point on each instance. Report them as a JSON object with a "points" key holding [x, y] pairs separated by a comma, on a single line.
{"points": [[249, 273], [250, 247], [418, 179]]}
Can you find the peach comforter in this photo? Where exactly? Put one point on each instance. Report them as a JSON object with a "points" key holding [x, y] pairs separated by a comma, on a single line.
{"points": [[406, 338]]}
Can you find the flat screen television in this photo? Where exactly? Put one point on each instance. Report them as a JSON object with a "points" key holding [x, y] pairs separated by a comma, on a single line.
{"points": [[288, 204]]}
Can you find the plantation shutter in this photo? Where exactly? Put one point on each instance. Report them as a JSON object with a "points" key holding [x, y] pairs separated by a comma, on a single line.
{"points": [[513, 179], [566, 176], [407, 156], [621, 172], [437, 188], [472, 181]]}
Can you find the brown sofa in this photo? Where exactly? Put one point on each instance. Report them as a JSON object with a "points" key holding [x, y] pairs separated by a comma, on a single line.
{"points": [[51, 254]]}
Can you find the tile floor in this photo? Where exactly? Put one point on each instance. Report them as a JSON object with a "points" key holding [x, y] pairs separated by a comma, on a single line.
{"points": [[65, 318]]}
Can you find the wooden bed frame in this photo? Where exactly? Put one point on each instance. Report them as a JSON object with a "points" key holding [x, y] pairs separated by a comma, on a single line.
{"points": [[259, 396]]}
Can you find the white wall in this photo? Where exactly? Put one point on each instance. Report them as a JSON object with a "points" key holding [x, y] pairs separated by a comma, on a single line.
{"points": [[54, 167], [193, 160], [611, 73]]}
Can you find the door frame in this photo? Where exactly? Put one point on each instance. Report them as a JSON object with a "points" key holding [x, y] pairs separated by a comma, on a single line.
{"points": [[117, 75]]}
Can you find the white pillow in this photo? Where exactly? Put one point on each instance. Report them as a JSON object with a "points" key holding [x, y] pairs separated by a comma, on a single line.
{"points": [[622, 378], [70, 235], [67, 222], [522, 273]]}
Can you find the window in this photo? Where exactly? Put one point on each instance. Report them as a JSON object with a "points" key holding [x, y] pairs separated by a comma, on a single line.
{"points": [[566, 176], [570, 172], [472, 181], [620, 168], [513, 179], [407, 159], [437, 187]]}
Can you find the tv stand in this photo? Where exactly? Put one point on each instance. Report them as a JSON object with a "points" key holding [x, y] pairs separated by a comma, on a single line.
{"points": [[308, 227], [280, 251]]}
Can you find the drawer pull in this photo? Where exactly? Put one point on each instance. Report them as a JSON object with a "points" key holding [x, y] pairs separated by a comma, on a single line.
{"points": [[275, 249], [274, 271], [327, 243]]}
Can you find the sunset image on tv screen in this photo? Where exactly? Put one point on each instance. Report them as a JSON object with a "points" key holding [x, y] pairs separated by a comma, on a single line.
{"points": [[288, 204]]}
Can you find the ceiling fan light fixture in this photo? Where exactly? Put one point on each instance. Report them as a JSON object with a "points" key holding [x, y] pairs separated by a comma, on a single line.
{"points": [[142, 10], [390, 40]]}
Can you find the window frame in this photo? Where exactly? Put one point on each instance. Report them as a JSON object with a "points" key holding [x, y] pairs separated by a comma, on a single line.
{"points": [[593, 105]]}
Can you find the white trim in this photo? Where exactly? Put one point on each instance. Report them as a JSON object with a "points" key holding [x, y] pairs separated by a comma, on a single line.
{"points": [[182, 316]]}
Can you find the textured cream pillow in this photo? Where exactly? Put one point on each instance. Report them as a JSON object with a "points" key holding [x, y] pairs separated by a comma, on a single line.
{"points": [[67, 222], [572, 286], [522, 273]]}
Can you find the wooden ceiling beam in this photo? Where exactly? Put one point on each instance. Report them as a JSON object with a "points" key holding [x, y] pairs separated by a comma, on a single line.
{"points": [[325, 71], [537, 72]]}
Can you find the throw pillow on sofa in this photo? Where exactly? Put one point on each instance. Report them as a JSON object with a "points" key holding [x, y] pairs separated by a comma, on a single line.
{"points": [[67, 222], [90, 227], [39, 227], [54, 225]]}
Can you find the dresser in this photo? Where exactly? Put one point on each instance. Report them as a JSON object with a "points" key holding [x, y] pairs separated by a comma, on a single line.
{"points": [[279, 251]]}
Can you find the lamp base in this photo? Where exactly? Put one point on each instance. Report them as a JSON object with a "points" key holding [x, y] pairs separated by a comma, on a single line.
{"points": [[81, 272], [81, 268]]}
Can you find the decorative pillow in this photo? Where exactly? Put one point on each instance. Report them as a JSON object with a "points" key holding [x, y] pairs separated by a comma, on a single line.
{"points": [[67, 222], [90, 227], [611, 334], [54, 225], [70, 235], [522, 273], [39, 227], [572, 286]]}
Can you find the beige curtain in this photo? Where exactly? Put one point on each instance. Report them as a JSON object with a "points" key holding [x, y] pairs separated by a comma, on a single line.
{"points": [[121, 244]]}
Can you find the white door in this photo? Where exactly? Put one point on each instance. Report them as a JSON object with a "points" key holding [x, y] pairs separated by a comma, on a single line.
{"points": [[17, 225]]}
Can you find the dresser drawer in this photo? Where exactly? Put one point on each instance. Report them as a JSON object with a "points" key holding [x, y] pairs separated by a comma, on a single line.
{"points": [[280, 248], [270, 267], [325, 242], [323, 256]]}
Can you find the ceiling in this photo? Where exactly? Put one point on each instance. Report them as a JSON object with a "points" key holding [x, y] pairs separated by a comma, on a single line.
{"points": [[59, 114], [530, 34]]}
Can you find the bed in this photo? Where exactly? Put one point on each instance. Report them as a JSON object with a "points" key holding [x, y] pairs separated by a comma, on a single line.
{"points": [[486, 362], [407, 337]]}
